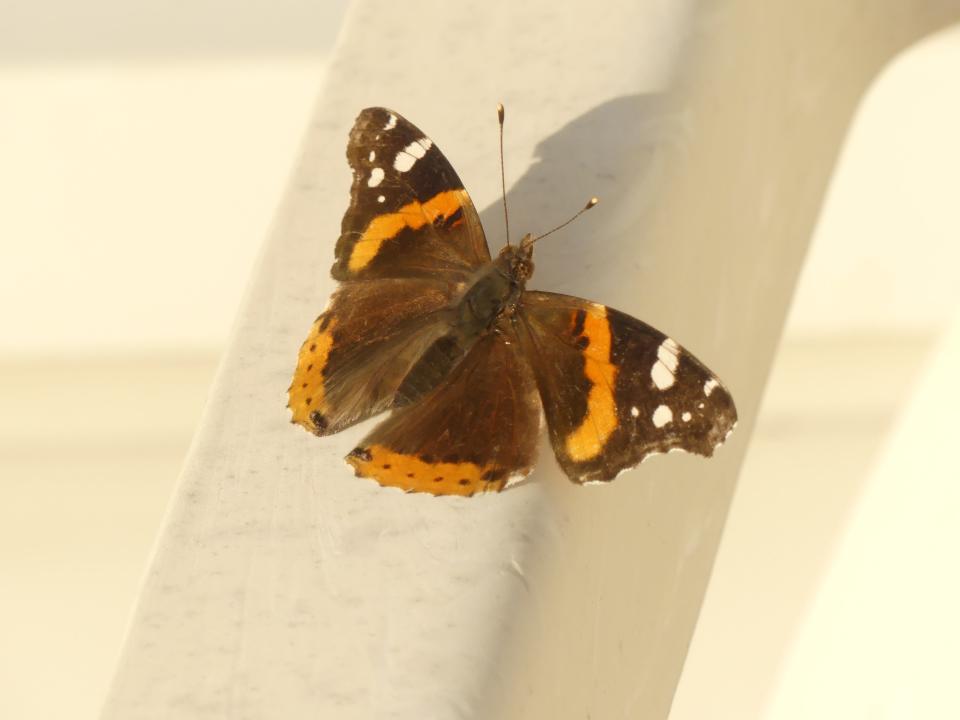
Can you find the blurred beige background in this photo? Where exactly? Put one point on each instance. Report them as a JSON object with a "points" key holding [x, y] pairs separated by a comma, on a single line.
{"points": [[833, 594], [156, 139], [160, 144]]}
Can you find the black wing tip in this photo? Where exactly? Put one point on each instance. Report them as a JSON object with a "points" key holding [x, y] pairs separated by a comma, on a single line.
{"points": [[379, 114]]}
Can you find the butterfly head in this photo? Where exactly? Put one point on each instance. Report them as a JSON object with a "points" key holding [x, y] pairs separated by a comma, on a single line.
{"points": [[518, 259]]}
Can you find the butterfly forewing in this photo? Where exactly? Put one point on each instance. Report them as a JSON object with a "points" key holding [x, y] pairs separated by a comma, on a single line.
{"points": [[615, 390], [409, 215], [474, 432]]}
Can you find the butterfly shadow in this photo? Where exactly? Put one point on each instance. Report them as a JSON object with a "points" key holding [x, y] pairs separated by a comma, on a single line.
{"points": [[612, 152]]}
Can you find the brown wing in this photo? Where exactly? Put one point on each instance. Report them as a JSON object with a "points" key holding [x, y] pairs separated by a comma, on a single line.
{"points": [[475, 432], [615, 390], [360, 349], [409, 215]]}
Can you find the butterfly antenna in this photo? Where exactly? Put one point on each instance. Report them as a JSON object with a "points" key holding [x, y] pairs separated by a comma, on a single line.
{"points": [[590, 203], [503, 181]]}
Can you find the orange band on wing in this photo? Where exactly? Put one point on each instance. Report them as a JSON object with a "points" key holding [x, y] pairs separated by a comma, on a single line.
{"points": [[587, 441], [413, 474], [306, 392], [413, 215]]}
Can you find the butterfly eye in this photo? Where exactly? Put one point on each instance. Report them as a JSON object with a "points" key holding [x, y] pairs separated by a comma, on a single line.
{"points": [[522, 270]]}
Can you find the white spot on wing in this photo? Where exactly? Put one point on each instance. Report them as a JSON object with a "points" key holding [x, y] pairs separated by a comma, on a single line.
{"points": [[411, 153], [662, 377], [372, 156], [376, 177], [686, 417], [381, 198], [391, 123], [668, 353], [709, 386], [662, 415], [664, 369], [404, 162], [634, 411]]}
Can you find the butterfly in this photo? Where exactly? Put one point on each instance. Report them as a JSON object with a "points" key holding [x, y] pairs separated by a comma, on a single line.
{"points": [[426, 324]]}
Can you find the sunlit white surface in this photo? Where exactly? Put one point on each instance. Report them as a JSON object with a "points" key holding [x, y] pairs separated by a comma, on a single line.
{"points": [[831, 595], [885, 255], [882, 635]]}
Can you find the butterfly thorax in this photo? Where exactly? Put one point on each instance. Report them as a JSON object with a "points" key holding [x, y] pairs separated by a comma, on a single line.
{"points": [[495, 289]]}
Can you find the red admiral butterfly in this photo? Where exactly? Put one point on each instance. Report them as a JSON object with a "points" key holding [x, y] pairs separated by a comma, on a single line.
{"points": [[426, 324]]}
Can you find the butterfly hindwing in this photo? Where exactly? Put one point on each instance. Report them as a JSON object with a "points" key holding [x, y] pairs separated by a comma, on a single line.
{"points": [[362, 347], [615, 390], [474, 432], [409, 214]]}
